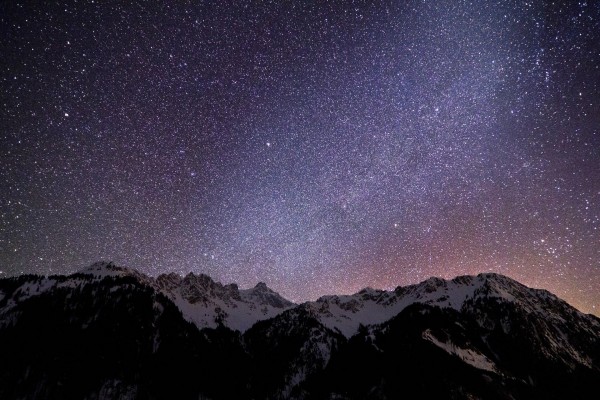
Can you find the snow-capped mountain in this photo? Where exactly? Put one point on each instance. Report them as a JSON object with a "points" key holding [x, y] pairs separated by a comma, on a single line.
{"points": [[203, 301], [112, 332], [369, 306], [207, 303]]}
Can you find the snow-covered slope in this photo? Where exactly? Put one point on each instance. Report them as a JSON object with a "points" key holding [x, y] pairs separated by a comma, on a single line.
{"points": [[201, 300], [207, 303], [370, 306], [474, 335]]}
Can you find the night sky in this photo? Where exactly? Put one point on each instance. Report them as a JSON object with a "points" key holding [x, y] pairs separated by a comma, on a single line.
{"points": [[320, 147]]}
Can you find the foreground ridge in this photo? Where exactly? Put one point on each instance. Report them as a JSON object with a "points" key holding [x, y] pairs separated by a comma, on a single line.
{"points": [[113, 332]]}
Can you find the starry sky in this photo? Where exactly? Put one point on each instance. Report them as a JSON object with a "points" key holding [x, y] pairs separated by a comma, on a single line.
{"points": [[320, 147]]}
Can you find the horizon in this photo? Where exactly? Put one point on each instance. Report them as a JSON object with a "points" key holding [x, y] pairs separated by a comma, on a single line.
{"points": [[297, 301]]}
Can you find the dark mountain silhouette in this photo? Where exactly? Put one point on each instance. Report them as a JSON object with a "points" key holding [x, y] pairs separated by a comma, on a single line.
{"points": [[109, 332]]}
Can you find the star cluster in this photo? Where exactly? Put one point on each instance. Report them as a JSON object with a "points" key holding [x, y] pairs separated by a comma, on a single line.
{"points": [[317, 146]]}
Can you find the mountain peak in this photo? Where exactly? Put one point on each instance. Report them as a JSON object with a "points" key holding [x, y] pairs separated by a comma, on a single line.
{"points": [[494, 276], [488, 327], [262, 294], [369, 306], [105, 268], [200, 276], [99, 265], [209, 303]]}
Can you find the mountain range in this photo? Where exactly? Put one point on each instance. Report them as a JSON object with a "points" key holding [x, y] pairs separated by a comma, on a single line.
{"points": [[109, 332]]}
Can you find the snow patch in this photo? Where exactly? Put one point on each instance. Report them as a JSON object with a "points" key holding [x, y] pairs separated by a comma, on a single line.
{"points": [[208, 304], [469, 356], [369, 306]]}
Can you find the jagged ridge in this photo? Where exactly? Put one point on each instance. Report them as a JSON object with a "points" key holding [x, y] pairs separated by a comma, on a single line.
{"points": [[488, 336]]}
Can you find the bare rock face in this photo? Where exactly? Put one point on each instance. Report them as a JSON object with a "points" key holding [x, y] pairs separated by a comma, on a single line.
{"points": [[203, 301]]}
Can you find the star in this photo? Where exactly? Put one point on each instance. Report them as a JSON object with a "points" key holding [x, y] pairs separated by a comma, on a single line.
{"points": [[351, 145]]}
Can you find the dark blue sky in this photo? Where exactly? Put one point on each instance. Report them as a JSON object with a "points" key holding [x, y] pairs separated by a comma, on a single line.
{"points": [[317, 146]]}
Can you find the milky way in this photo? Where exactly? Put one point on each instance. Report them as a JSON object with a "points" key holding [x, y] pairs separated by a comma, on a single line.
{"points": [[319, 147]]}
